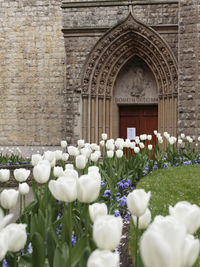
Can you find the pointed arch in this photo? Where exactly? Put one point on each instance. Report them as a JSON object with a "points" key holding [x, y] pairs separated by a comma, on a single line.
{"points": [[110, 54]]}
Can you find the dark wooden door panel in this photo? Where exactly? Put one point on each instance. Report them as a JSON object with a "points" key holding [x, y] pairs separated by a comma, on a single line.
{"points": [[143, 118]]}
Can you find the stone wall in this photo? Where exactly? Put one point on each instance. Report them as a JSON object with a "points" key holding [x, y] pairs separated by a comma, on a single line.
{"points": [[32, 73], [189, 68], [84, 23]]}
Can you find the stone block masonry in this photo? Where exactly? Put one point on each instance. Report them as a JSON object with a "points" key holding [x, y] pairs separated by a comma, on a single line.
{"points": [[189, 68], [32, 73]]}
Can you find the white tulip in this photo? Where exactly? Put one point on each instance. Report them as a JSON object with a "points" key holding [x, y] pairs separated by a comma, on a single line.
{"points": [[64, 189], [190, 251], [143, 137], [21, 175], [24, 189], [127, 143], [119, 153], [4, 175], [3, 246], [63, 144], [81, 143], [58, 154], [199, 138], [58, 171], [110, 153], [9, 198], [49, 155], [96, 210], [81, 162], [93, 169], [102, 143], [136, 149], [70, 173], [182, 135], [4, 220], [149, 137], [141, 145], [94, 157], [103, 258], [137, 140], [110, 145], [180, 141], [42, 171], [86, 151], [119, 143], [150, 147], [104, 136], [88, 188], [160, 140], [132, 145], [69, 166], [162, 243], [73, 151], [187, 214], [144, 220], [137, 201], [35, 159], [107, 231], [16, 236], [65, 156], [155, 132]]}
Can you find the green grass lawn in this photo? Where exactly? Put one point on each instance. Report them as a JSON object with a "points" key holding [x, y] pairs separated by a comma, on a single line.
{"points": [[169, 186]]}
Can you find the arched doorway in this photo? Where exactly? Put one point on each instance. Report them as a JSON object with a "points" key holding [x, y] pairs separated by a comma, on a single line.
{"points": [[135, 95], [111, 53]]}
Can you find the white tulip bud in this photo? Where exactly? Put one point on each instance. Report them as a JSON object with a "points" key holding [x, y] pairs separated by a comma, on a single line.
{"points": [[136, 149], [73, 151], [35, 159], [102, 143], [107, 231], [69, 166], [4, 175], [94, 157], [104, 136], [21, 175], [150, 147], [137, 201], [103, 258], [64, 189], [41, 172], [110, 145], [65, 156], [58, 154], [96, 210], [81, 162], [190, 251], [81, 143], [119, 153], [141, 145], [88, 188], [149, 137], [58, 171], [110, 153], [24, 189], [63, 144], [182, 135], [144, 220], [16, 236], [9, 198]]}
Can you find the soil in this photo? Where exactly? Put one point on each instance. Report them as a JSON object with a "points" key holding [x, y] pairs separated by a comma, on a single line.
{"points": [[125, 258]]}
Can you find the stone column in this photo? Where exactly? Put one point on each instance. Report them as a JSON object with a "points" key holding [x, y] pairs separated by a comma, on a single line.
{"points": [[189, 67]]}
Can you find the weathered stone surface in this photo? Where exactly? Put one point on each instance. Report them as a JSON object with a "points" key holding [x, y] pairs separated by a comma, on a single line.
{"points": [[32, 73]]}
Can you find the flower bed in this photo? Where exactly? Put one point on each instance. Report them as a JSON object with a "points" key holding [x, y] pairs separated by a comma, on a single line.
{"points": [[77, 214]]}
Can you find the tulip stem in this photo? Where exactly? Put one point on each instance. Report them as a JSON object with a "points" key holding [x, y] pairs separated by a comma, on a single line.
{"points": [[136, 241], [20, 211], [86, 222], [70, 230], [24, 201]]}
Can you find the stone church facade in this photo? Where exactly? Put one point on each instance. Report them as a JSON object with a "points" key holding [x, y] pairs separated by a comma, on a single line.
{"points": [[74, 69]]}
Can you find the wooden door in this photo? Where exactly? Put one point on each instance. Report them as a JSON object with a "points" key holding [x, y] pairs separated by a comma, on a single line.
{"points": [[141, 119]]}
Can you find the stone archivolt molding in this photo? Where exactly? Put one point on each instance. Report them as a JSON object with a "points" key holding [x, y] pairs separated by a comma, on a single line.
{"points": [[117, 46]]}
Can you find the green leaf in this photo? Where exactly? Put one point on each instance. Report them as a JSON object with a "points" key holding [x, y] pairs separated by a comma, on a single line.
{"points": [[58, 260], [38, 255], [51, 246], [25, 260], [78, 251]]}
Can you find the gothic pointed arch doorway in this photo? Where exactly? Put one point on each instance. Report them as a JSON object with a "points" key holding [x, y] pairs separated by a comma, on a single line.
{"points": [[112, 52]]}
